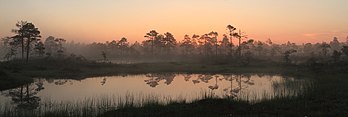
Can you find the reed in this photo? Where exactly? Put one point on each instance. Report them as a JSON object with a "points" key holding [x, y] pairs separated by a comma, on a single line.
{"points": [[92, 107]]}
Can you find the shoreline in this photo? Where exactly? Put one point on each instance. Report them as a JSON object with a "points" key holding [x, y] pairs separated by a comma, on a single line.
{"points": [[18, 73], [14, 73], [331, 80]]}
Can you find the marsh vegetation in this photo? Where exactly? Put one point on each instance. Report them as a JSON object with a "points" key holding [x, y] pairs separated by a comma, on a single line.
{"points": [[95, 96], [201, 75]]}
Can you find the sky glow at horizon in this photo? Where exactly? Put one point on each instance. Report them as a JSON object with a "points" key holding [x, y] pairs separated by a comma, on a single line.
{"points": [[299, 21]]}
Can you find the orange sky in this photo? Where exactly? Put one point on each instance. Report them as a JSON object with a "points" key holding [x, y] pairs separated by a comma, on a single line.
{"points": [[104, 20]]}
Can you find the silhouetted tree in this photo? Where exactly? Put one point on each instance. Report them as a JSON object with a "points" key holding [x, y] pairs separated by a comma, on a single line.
{"points": [[50, 45], [324, 47], [308, 49], [269, 41], [151, 36], [287, 55], [60, 43], [54, 46], [239, 36], [247, 45], [214, 40], [231, 30], [226, 45], [135, 49], [94, 49], [19, 38], [147, 47], [159, 44], [26, 33], [113, 47], [169, 42], [11, 46], [123, 45], [275, 49], [40, 48], [201, 44], [259, 48], [345, 50], [104, 56], [188, 45], [335, 44], [195, 39], [207, 43], [336, 55]]}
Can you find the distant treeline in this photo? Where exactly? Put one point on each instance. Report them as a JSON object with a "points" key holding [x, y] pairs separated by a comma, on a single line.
{"points": [[210, 46]]}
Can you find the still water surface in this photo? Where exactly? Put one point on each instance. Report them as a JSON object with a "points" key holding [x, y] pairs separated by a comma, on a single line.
{"points": [[164, 87]]}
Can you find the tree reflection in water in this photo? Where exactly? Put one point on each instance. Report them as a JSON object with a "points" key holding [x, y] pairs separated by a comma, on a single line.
{"points": [[61, 81], [203, 78], [154, 79], [187, 77], [25, 97], [216, 86], [40, 85], [103, 81], [237, 83]]}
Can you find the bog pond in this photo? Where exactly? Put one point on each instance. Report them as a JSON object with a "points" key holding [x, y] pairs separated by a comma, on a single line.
{"points": [[116, 91]]}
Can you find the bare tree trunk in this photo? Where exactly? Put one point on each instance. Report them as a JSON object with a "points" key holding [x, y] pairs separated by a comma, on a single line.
{"points": [[231, 39], [240, 48], [152, 44], [22, 48], [28, 50], [216, 48]]}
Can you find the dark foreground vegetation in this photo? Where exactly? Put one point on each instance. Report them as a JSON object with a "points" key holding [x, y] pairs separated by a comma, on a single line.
{"points": [[26, 57]]}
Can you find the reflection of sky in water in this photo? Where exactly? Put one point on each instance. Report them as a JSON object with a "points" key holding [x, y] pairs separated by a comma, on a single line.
{"points": [[180, 86]]}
